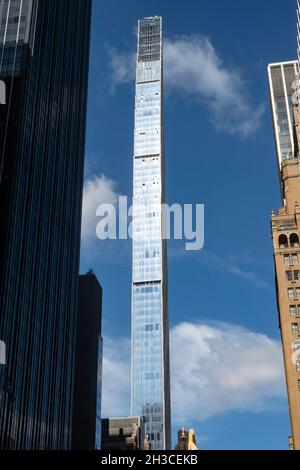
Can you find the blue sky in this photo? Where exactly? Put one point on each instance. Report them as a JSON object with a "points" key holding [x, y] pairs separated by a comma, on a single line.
{"points": [[219, 152]]}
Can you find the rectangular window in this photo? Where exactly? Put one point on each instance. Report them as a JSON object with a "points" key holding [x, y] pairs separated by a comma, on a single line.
{"points": [[296, 346], [294, 258], [299, 385], [287, 260], [295, 328], [298, 311], [293, 310], [291, 293], [296, 275], [298, 292], [298, 366], [289, 275]]}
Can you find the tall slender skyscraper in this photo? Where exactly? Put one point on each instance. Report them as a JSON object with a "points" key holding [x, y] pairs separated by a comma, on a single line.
{"points": [[150, 387], [44, 52]]}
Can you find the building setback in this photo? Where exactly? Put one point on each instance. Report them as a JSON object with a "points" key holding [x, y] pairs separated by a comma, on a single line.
{"points": [[86, 426], [150, 381], [44, 52]]}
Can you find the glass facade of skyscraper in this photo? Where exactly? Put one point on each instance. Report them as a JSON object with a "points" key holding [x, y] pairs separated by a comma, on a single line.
{"points": [[281, 79], [44, 53], [15, 16], [150, 330]]}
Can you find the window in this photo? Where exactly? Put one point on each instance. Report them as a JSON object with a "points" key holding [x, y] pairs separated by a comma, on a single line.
{"points": [[149, 375], [299, 385], [291, 293], [294, 258], [283, 241], [293, 310], [298, 311], [287, 260], [295, 328], [296, 275], [296, 346], [294, 239], [298, 366], [292, 275], [298, 292]]}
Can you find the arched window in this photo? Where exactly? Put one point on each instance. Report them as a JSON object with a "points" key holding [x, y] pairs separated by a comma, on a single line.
{"points": [[294, 239], [283, 241]]}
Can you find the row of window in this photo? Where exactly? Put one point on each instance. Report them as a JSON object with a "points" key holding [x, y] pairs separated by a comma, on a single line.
{"points": [[151, 327], [291, 259], [153, 437], [147, 289], [292, 275], [294, 292], [14, 19], [295, 328], [295, 310], [152, 254], [152, 375], [293, 241]]}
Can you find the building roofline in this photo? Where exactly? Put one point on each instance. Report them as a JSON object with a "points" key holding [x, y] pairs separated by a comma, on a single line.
{"points": [[288, 62], [124, 417]]}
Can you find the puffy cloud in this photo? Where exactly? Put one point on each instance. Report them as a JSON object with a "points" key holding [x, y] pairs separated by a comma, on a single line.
{"points": [[116, 378], [193, 67], [96, 191], [215, 369], [122, 67], [222, 368]]}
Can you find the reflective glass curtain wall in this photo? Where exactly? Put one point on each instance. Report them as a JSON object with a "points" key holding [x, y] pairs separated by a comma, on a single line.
{"points": [[44, 52], [150, 330], [281, 78]]}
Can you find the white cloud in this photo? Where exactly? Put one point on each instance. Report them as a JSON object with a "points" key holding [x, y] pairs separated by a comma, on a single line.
{"points": [[98, 190], [214, 369], [116, 378], [233, 267], [122, 68], [194, 68], [221, 368]]}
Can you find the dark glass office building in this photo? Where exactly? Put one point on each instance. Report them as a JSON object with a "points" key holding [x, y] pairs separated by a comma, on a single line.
{"points": [[86, 427], [44, 52]]}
